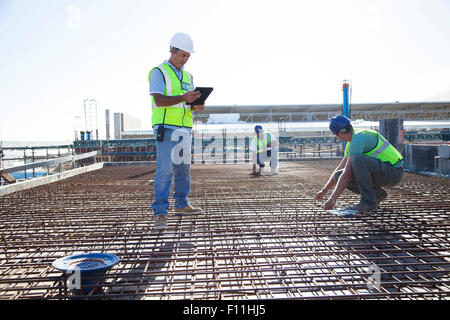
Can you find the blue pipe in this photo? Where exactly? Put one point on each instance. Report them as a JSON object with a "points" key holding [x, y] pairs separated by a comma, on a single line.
{"points": [[346, 105]]}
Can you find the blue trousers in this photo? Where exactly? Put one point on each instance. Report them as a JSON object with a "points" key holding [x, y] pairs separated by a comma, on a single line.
{"points": [[168, 155]]}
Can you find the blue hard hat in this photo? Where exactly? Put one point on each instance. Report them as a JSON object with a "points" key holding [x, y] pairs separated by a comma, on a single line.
{"points": [[258, 128], [339, 123]]}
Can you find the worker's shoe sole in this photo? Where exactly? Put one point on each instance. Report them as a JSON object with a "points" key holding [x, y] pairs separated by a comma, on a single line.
{"points": [[381, 196], [360, 208], [160, 222], [188, 211]]}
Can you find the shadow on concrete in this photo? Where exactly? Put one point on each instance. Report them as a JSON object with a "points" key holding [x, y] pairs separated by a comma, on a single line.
{"points": [[405, 260], [145, 275]]}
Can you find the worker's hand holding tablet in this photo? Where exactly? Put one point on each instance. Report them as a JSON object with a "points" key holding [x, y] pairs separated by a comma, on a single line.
{"points": [[201, 94], [191, 96]]}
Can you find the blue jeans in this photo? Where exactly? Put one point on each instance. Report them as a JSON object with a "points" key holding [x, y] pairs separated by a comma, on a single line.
{"points": [[166, 168]]}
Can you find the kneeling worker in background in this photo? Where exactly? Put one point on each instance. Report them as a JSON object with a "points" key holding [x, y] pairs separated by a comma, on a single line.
{"points": [[264, 146], [370, 162]]}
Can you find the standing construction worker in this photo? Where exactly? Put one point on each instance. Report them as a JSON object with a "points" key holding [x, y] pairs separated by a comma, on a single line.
{"points": [[171, 88], [370, 162], [264, 146]]}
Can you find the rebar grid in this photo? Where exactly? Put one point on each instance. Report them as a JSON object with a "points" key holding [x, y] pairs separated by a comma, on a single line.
{"points": [[260, 238]]}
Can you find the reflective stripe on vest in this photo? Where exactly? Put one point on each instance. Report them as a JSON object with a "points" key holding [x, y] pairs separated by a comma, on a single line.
{"points": [[383, 151], [260, 144], [177, 115]]}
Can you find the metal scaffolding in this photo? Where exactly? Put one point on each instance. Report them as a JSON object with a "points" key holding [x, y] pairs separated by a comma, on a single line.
{"points": [[91, 117]]}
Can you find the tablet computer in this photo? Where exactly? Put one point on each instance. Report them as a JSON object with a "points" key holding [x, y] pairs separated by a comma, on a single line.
{"points": [[205, 91]]}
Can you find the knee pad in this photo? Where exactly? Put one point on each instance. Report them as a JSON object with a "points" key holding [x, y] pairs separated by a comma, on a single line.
{"points": [[337, 174]]}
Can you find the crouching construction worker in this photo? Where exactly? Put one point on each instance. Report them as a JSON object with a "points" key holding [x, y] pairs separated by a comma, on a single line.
{"points": [[264, 146], [370, 162]]}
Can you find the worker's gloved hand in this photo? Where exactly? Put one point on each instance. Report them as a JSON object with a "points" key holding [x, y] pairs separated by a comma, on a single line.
{"points": [[319, 195], [329, 204], [191, 96]]}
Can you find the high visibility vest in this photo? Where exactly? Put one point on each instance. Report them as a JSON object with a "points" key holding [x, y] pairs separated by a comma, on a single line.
{"points": [[260, 144], [383, 151], [177, 115]]}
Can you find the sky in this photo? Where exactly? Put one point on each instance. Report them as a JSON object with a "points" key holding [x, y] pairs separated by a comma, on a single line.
{"points": [[54, 54]]}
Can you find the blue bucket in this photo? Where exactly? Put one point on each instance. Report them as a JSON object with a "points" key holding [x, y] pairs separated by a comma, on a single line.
{"points": [[91, 269]]}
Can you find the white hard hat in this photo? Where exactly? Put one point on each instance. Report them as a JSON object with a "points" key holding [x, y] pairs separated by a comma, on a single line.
{"points": [[183, 42]]}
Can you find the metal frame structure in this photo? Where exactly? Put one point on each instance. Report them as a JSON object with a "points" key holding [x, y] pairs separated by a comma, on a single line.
{"points": [[369, 115], [258, 239], [322, 112], [51, 162], [91, 117]]}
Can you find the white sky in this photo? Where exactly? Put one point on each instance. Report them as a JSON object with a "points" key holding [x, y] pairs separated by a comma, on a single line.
{"points": [[56, 53]]}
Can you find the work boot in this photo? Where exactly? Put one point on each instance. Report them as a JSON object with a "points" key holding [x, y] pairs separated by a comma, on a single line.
{"points": [[188, 210], [362, 207], [270, 173], [160, 222], [380, 194]]}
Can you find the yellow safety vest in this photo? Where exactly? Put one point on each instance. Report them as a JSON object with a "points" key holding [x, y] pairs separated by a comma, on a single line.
{"points": [[260, 144], [383, 151], [178, 115]]}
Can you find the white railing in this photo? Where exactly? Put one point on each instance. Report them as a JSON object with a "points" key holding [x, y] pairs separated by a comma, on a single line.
{"points": [[47, 163]]}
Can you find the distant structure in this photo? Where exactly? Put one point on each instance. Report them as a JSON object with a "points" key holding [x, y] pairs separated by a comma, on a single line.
{"points": [[322, 112], [90, 118], [108, 136], [124, 122], [1, 151], [346, 99]]}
